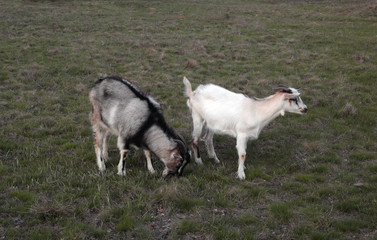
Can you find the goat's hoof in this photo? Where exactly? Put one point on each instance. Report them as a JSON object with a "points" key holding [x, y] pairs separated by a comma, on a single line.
{"points": [[122, 173], [241, 176], [102, 168], [153, 172], [199, 161], [217, 161]]}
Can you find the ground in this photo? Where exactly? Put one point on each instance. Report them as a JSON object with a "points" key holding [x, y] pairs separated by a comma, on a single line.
{"points": [[307, 177]]}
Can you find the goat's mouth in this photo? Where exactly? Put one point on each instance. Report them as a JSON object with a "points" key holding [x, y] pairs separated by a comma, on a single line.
{"points": [[303, 110]]}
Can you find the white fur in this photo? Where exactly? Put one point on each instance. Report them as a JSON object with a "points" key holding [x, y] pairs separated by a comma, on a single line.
{"points": [[218, 110]]}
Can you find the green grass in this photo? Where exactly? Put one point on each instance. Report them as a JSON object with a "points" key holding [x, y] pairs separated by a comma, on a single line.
{"points": [[187, 226], [281, 211], [307, 177]]}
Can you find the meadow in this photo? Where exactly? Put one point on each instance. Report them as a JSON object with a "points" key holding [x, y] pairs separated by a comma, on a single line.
{"points": [[307, 177]]}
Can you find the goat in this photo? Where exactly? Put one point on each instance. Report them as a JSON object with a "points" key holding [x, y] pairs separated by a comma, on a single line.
{"points": [[217, 110], [121, 108]]}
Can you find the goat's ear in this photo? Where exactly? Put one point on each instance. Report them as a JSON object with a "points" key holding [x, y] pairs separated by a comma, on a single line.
{"points": [[290, 95]]}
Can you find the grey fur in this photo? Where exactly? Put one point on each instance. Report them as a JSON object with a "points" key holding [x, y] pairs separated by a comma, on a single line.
{"points": [[121, 108]]}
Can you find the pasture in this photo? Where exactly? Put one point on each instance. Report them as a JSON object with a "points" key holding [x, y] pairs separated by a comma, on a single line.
{"points": [[307, 177]]}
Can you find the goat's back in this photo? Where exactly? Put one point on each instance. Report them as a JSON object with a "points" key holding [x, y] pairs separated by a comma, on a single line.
{"points": [[123, 106], [217, 93], [220, 108], [216, 98]]}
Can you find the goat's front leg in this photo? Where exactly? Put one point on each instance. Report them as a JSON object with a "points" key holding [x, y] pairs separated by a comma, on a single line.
{"points": [[123, 156], [149, 161], [241, 149], [197, 131]]}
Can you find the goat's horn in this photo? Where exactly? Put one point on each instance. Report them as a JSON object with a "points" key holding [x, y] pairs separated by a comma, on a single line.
{"points": [[283, 88]]}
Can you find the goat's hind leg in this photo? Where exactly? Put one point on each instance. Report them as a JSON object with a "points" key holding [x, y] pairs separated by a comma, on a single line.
{"points": [[99, 135], [209, 144], [105, 153], [196, 133], [123, 149]]}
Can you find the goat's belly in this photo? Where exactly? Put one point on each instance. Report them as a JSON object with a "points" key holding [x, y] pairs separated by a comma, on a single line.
{"points": [[222, 130]]}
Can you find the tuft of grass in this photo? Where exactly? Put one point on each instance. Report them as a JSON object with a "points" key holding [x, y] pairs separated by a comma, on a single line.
{"points": [[226, 232], [325, 236], [125, 223], [222, 201], [247, 219], [325, 192], [320, 169], [256, 173], [281, 211], [328, 157], [372, 169], [23, 196], [294, 187], [373, 179], [187, 204], [363, 156], [43, 234], [187, 226], [308, 178], [248, 234], [350, 205], [253, 192], [349, 225]]}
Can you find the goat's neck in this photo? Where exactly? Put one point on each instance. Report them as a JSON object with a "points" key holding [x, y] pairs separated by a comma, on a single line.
{"points": [[271, 108], [158, 142]]}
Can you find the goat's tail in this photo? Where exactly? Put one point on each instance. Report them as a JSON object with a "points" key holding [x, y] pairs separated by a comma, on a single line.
{"points": [[188, 88]]}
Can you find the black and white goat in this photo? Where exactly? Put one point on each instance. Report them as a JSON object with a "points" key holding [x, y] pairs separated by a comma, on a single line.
{"points": [[218, 110], [121, 108]]}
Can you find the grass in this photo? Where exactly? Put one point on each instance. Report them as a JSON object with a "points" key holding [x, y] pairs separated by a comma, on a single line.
{"points": [[307, 177]]}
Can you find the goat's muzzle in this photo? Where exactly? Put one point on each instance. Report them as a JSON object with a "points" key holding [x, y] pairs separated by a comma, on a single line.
{"points": [[304, 110]]}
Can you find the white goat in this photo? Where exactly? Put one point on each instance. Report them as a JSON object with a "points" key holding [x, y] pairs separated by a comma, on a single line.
{"points": [[218, 110]]}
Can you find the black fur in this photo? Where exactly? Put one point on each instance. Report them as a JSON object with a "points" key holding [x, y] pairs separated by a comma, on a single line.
{"points": [[155, 117]]}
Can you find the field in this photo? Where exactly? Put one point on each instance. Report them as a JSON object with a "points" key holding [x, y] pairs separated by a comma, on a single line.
{"points": [[307, 177]]}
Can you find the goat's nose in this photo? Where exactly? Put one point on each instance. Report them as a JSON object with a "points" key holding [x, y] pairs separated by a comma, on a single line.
{"points": [[305, 110]]}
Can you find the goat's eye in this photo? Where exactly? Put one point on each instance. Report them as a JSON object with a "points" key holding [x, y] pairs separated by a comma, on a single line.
{"points": [[294, 99]]}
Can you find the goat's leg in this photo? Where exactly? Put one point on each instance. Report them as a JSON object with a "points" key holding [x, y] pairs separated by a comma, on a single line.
{"points": [[123, 156], [197, 131], [209, 144], [105, 146], [241, 149], [149, 161], [99, 134]]}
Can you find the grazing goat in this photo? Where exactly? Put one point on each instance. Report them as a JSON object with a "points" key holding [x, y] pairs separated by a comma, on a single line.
{"points": [[218, 110], [121, 108]]}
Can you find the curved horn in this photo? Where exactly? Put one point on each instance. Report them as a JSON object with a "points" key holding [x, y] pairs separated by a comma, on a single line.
{"points": [[283, 88], [184, 154], [181, 146]]}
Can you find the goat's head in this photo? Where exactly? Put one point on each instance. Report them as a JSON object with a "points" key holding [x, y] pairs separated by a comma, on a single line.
{"points": [[292, 101], [179, 158]]}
